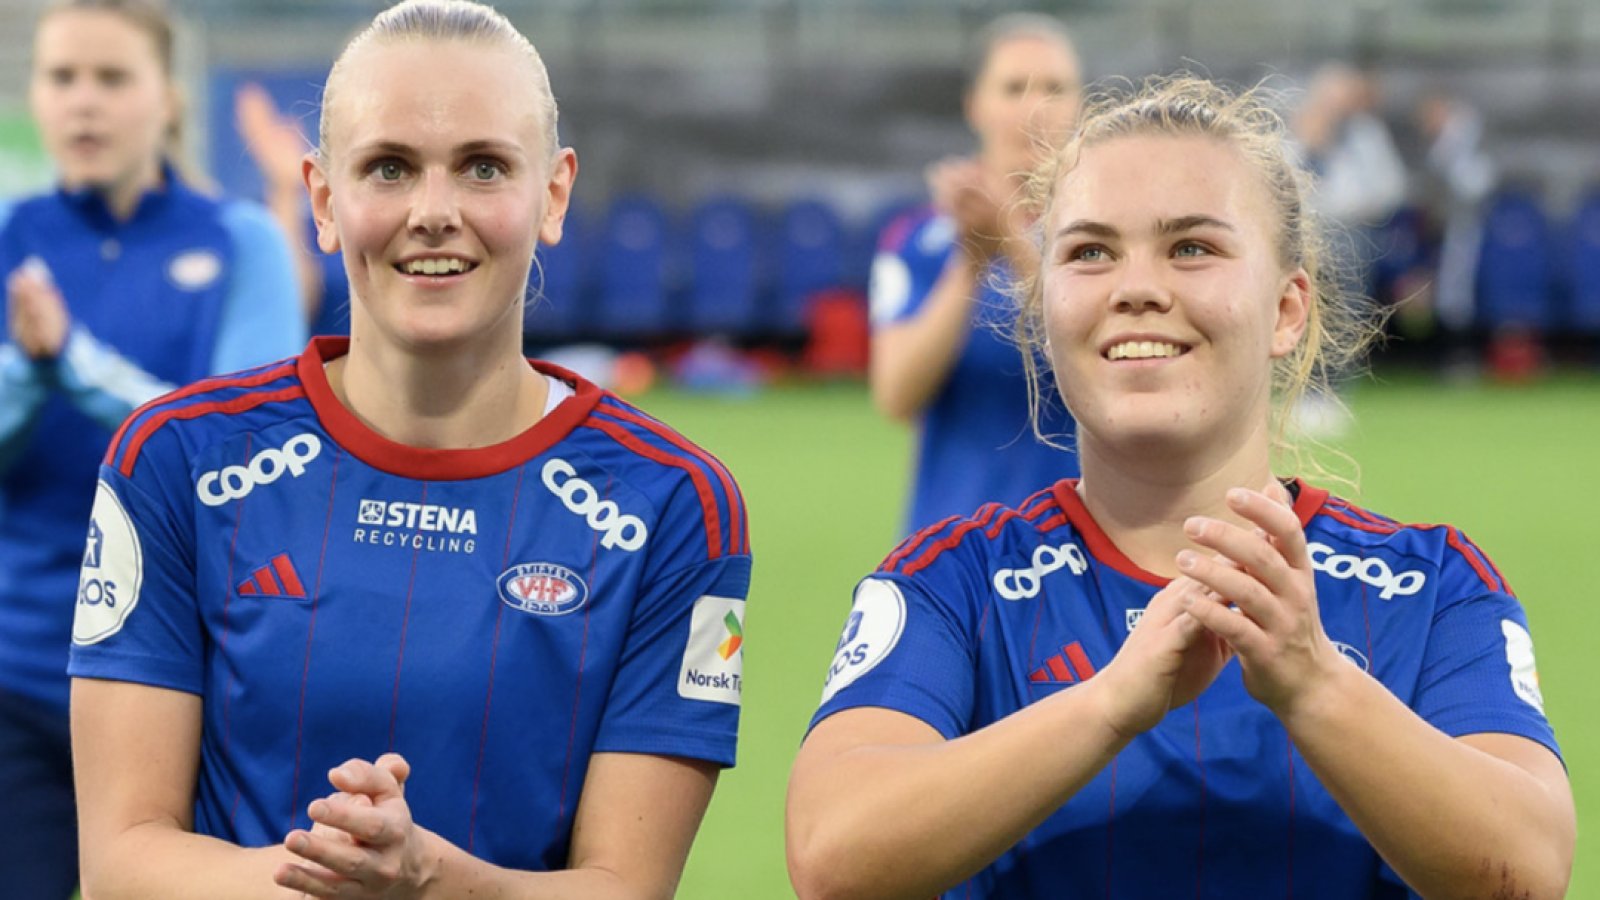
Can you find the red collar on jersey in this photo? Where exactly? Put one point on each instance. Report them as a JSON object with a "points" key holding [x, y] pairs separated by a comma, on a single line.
{"points": [[428, 464]]}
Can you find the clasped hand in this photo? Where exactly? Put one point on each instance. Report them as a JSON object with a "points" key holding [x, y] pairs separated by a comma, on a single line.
{"points": [[1254, 597], [362, 843]]}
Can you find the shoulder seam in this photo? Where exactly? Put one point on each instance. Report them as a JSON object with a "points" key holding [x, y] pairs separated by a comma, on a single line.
{"points": [[702, 485], [221, 382]]}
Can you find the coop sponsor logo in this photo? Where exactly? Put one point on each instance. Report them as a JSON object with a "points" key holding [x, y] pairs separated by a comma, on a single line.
{"points": [[218, 486], [617, 529], [1366, 569], [1024, 584]]}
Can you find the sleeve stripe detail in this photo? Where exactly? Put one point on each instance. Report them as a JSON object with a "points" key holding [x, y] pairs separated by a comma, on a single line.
{"points": [[210, 384], [227, 407], [910, 544], [1339, 515], [1367, 515], [1479, 563], [702, 486], [935, 550], [739, 530]]}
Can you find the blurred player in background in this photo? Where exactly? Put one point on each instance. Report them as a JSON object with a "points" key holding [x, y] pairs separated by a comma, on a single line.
{"points": [[277, 145], [1042, 701], [941, 356], [410, 611], [121, 283]]}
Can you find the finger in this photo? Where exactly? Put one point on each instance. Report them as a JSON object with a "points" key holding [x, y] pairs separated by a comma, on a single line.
{"points": [[1277, 520], [1253, 553], [307, 881], [1167, 604], [367, 824], [357, 776], [1228, 584], [396, 766], [339, 860], [1240, 632]]}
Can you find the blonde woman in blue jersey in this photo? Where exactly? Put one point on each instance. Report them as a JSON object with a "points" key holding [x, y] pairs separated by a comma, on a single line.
{"points": [[410, 615], [1180, 674], [121, 281]]}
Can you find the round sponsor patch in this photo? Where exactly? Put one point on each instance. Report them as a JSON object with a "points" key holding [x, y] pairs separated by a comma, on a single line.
{"points": [[890, 287], [1524, 673], [877, 619], [195, 269], [541, 588], [113, 568]]}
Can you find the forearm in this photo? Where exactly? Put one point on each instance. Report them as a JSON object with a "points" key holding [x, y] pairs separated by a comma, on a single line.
{"points": [[912, 359], [460, 874], [1452, 820], [892, 821], [158, 861]]}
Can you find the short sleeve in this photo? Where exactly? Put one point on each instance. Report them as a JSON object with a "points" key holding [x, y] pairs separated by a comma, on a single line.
{"points": [[909, 261], [1478, 672], [136, 617], [678, 686], [902, 649]]}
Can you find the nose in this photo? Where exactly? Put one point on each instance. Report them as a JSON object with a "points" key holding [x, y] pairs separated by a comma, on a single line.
{"points": [[1140, 288], [434, 209]]}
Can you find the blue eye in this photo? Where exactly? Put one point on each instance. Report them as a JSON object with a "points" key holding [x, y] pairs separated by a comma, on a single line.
{"points": [[1090, 253], [1191, 249], [486, 170]]}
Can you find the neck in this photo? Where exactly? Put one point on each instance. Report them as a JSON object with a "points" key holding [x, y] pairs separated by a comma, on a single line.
{"points": [[1141, 498], [122, 197], [461, 398]]}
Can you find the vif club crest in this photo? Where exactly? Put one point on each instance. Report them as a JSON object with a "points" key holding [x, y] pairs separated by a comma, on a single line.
{"points": [[544, 589]]}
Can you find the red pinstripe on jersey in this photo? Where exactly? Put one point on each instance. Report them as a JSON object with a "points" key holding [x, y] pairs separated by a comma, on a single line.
{"points": [[1358, 518], [210, 384], [739, 537]]}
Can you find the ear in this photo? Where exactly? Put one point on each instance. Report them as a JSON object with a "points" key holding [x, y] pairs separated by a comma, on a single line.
{"points": [[321, 202], [1294, 312], [558, 195]]}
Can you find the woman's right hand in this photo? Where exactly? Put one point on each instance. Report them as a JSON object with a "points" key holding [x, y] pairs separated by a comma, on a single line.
{"points": [[962, 190], [35, 313], [1167, 661]]}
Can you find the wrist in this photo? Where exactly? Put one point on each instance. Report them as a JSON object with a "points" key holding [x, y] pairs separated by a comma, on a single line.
{"points": [[1328, 690], [1102, 694]]}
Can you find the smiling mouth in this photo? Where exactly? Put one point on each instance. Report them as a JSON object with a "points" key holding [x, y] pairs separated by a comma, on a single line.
{"points": [[1144, 350], [437, 266]]}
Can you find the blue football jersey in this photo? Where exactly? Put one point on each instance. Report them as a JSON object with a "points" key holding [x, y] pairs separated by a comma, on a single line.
{"points": [[496, 615], [974, 441], [971, 621]]}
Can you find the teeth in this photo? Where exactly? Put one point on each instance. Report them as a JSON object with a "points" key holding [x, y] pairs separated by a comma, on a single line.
{"points": [[1143, 350], [442, 266]]}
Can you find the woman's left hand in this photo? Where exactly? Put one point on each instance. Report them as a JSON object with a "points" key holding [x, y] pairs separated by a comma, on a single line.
{"points": [[363, 843], [1266, 574]]}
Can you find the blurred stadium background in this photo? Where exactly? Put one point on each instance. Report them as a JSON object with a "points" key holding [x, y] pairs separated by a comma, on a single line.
{"points": [[738, 157]]}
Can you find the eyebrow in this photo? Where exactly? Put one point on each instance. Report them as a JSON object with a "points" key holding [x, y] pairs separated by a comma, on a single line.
{"points": [[467, 149], [1163, 226]]}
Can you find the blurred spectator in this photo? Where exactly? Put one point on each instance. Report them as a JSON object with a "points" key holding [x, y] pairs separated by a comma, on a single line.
{"points": [[1456, 179]]}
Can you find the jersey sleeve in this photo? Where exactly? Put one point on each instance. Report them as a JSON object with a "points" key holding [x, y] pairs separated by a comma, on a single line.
{"points": [[102, 383], [1478, 673], [137, 618], [678, 685], [262, 319], [904, 647], [904, 270], [23, 389]]}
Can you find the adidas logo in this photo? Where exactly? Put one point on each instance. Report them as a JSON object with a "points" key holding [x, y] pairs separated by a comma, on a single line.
{"points": [[275, 579], [1070, 666]]}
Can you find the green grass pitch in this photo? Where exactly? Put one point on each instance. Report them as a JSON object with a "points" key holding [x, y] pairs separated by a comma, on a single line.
{"points": [[1517, 468]]}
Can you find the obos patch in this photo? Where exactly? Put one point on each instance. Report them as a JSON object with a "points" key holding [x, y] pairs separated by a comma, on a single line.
{"points": [[541, 588], [1524, 674], [877, 619], [713, 659], [113, 568]]}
